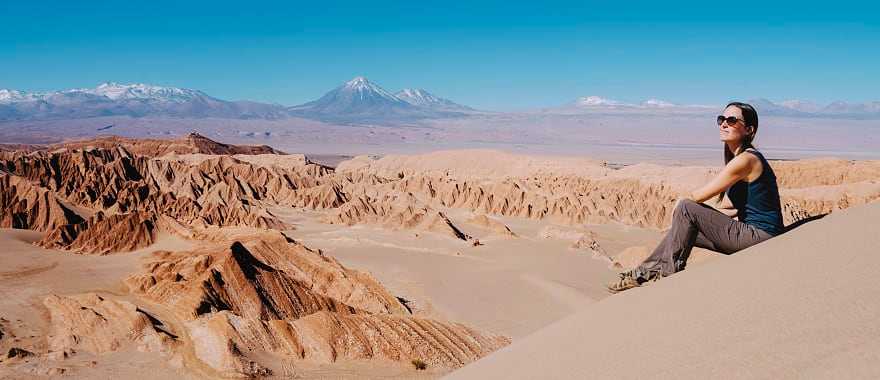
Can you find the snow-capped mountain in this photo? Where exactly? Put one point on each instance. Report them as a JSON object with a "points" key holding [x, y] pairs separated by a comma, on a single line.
{"points": [[421, 98], [136, 100], [357, 98], [362, 100]]}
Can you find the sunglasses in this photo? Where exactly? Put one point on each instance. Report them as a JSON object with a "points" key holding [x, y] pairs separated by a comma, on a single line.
{"points": [[731, 120]]}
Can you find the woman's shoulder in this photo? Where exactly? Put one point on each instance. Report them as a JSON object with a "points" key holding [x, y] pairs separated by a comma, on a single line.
{"points": [[754, 153], [747, 159]]}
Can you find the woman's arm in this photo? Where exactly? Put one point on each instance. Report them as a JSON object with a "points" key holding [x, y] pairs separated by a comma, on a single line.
{"points": [[725, 206], [735, 170]]}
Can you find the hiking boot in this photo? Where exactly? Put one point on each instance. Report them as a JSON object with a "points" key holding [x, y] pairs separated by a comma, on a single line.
{"points": [[650, 276], [626, 281]]}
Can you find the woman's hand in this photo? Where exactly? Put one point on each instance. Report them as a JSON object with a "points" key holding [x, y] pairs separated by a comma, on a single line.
{"points": [[731, 212]]}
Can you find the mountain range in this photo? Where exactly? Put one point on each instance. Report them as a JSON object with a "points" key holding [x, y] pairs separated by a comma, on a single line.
{"points": [[356, 101]]}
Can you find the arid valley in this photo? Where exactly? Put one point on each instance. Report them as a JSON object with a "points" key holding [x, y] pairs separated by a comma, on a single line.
{"points": [[191, 258]]}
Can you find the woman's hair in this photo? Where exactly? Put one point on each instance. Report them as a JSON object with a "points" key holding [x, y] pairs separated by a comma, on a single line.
{"points": [[750, 116]]}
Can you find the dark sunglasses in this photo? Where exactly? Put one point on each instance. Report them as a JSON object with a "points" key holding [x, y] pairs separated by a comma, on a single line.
{"points": [[731, 120]]}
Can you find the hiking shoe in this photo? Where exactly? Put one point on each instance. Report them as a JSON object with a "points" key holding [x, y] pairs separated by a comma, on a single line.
{"points": [[626, 281], [630, 279]]}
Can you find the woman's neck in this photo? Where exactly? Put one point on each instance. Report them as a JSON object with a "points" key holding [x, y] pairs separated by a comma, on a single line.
{"points": [[734, 146]]}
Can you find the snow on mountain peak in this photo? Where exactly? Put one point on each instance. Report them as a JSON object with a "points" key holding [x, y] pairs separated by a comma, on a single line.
{"points": [[116, 91], [593, 101], [363, 86], [9, 96], [418, 96], [358, 81], [800, 105], [421, 98], [14, 96], [657, 103]]}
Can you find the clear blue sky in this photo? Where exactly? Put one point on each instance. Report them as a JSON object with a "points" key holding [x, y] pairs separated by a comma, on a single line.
{"points": [[490, 54]]}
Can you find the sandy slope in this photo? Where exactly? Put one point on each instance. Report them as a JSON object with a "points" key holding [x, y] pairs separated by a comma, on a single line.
{"points": [[803, 305]]}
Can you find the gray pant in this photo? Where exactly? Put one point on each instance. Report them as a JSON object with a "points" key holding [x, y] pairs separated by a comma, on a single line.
{"points": [[695, 224]]}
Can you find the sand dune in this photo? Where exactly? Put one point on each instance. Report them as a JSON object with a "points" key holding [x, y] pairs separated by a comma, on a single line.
{"points": [[803, 305]]}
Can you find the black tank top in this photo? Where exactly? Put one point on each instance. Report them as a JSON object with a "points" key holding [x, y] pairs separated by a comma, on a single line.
{"points": [[757, 202]]}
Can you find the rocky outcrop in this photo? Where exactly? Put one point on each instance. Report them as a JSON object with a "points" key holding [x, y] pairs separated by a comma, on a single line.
{"points": [[824, 172], [127, 193], [98, 325], [267, 293], [102, 234], [491, 224], [224, 339], [263, 276], [565, 199], [191, 143], [26, 206], [642, 195], [395, 210]]}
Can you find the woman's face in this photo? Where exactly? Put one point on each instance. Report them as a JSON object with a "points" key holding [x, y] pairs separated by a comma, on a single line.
{"points": [[736, 131]]}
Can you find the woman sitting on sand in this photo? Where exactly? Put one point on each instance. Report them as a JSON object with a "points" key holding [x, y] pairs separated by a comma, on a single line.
{"points": [[752, 197]]}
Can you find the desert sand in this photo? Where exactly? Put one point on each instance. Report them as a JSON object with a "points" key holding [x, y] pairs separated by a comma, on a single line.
{"points": [[803, 305], [196, 259]]}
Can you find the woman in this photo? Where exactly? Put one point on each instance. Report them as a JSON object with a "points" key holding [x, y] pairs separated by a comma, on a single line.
{"points": [[752, 197]]}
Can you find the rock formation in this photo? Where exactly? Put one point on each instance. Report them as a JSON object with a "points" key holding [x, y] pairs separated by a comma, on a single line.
{"points": [[270, 294], [191, 143], [396, 210], [102, 234], [491, 224], [98, 325], [26, 206]]}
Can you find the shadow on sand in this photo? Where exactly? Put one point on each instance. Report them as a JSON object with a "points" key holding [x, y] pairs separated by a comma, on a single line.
{"points": [[803, 221]]}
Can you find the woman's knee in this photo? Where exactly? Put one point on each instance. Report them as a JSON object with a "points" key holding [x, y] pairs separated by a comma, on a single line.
{"points": [[684, 204]]}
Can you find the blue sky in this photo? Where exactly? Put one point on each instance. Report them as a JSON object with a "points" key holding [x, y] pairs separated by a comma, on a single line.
{"points": [[490, 54]]}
